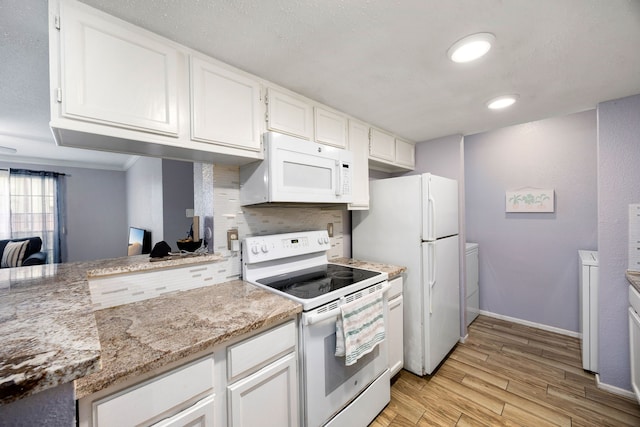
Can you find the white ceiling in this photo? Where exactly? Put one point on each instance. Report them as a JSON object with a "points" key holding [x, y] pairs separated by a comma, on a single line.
{"points": [[382, 61]]}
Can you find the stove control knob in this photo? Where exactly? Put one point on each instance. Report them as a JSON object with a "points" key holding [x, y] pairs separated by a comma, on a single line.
{"points": [[326, 240], [264, 248], [254, 250], [320, 240]]}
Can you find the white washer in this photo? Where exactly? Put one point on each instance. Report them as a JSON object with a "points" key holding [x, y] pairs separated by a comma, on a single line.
{"points": [[588, 289]]}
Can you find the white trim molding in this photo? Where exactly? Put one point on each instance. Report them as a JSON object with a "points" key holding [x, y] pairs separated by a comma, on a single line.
{"points": [[532, 324], [613, 389]]}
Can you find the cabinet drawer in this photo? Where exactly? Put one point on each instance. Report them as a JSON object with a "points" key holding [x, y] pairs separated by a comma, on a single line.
{"points": [[255, 352], [395, 287], [156, 398]]}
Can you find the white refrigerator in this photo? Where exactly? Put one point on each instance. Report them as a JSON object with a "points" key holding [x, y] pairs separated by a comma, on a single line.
{"points": [[412, 221]]}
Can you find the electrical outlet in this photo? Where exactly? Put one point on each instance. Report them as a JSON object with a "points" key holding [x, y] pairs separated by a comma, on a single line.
{"points": [[232, 235], [330, 229]]}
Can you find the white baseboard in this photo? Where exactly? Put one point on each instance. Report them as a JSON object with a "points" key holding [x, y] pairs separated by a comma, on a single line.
{"points": [[613, 389], [532, 324]]}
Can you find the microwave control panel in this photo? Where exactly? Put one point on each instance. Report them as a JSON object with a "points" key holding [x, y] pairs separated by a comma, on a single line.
{"points": [[346, 179]]}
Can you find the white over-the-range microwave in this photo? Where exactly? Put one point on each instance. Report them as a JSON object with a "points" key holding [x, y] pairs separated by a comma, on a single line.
{"points": [[295, 170]]}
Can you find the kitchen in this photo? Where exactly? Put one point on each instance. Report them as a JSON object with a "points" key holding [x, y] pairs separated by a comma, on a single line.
{"points": [[444, 159]]}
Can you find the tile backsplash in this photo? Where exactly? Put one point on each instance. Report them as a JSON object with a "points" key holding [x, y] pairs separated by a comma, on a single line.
{"points": [[256, 221]]}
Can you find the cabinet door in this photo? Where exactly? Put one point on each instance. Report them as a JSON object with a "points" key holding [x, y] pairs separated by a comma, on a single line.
{"points": [[330, 128], [382, 145], [395, 347], [267, 398], [225, 106], [405, 154], [359, 146], [116, 74], [199, 415], [288, 114]]}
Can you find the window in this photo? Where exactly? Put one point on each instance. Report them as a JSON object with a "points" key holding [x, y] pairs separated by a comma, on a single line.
{"points": [[30, 206]]}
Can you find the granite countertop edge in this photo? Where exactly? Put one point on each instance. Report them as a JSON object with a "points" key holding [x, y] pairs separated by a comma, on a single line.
{"points": [[392, 270], [633, 277]]}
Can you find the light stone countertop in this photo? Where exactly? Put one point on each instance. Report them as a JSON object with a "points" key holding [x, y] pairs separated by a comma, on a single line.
{"points": [[634, 278], [50, 336], [392, 270], [142, 336]]}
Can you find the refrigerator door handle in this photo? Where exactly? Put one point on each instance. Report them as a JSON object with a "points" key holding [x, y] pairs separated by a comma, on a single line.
{"points": [[432, 272], [431, 233]]}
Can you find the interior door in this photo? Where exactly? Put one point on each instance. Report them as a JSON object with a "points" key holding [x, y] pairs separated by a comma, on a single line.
{"points": [[442, 300], [440, 199]]}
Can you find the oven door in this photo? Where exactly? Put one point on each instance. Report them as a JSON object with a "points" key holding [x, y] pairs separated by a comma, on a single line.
{"points": [[328, 384]]}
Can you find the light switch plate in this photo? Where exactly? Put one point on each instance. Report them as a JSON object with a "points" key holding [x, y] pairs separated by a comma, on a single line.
{"points": [[330, 229]]}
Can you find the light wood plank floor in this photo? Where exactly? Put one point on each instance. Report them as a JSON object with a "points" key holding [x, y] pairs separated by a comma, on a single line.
{"points": [[507, 374]]}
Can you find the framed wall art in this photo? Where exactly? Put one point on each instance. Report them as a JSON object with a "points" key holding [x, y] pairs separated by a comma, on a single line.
{"points": [[530, 200]]}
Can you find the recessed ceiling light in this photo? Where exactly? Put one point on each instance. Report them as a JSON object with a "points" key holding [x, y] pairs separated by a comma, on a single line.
{"points": [[471, 47], [502, 102]]}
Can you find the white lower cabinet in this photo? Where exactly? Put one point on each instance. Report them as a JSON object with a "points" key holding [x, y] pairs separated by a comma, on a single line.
{"points": [[167, 396], [263, 377], [199, 415], [259, 373], [267, 398], [395, 327]]}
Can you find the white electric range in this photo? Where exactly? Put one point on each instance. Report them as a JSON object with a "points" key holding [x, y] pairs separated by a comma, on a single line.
{"points": [[295, 266]]}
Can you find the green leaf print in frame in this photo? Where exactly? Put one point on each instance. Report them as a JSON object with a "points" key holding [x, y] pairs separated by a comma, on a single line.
{"points": [[530, 200]]}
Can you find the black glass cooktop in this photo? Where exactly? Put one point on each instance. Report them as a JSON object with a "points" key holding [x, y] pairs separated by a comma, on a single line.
{"points": [[313, 282]]}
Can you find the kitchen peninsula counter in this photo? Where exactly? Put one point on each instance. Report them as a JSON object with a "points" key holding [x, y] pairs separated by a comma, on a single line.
{"points": [[51, 336]]}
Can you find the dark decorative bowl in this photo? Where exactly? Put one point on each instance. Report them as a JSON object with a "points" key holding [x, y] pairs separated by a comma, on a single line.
{"points": [[189, 246]]}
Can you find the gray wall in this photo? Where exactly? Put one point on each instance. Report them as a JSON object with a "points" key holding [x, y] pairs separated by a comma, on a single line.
{"points": [[529, 261], [95, 221], [441, 156], [618, 186], [144, 198], [177, 197]]}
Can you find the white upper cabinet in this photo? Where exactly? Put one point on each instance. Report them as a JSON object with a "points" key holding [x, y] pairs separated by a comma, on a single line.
{"points": [[330, 128], [390, 154], [225, 106], [359, 146], [114, 75], [288, 114], [382, 145], [405, 154]]}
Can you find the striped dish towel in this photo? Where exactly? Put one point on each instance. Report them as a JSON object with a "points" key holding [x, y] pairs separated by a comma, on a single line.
{"points": [[360, 327]]}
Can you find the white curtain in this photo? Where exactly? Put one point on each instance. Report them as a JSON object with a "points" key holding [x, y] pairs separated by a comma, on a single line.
{"points": [[35, 209], [5, 205]]}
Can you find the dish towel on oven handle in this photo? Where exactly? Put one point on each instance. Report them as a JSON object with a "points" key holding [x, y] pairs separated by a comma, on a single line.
{"points": [[360, 327]]}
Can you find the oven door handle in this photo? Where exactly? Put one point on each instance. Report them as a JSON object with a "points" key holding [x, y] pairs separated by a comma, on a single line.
{"points": [[317, 318], [311, 319]]}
